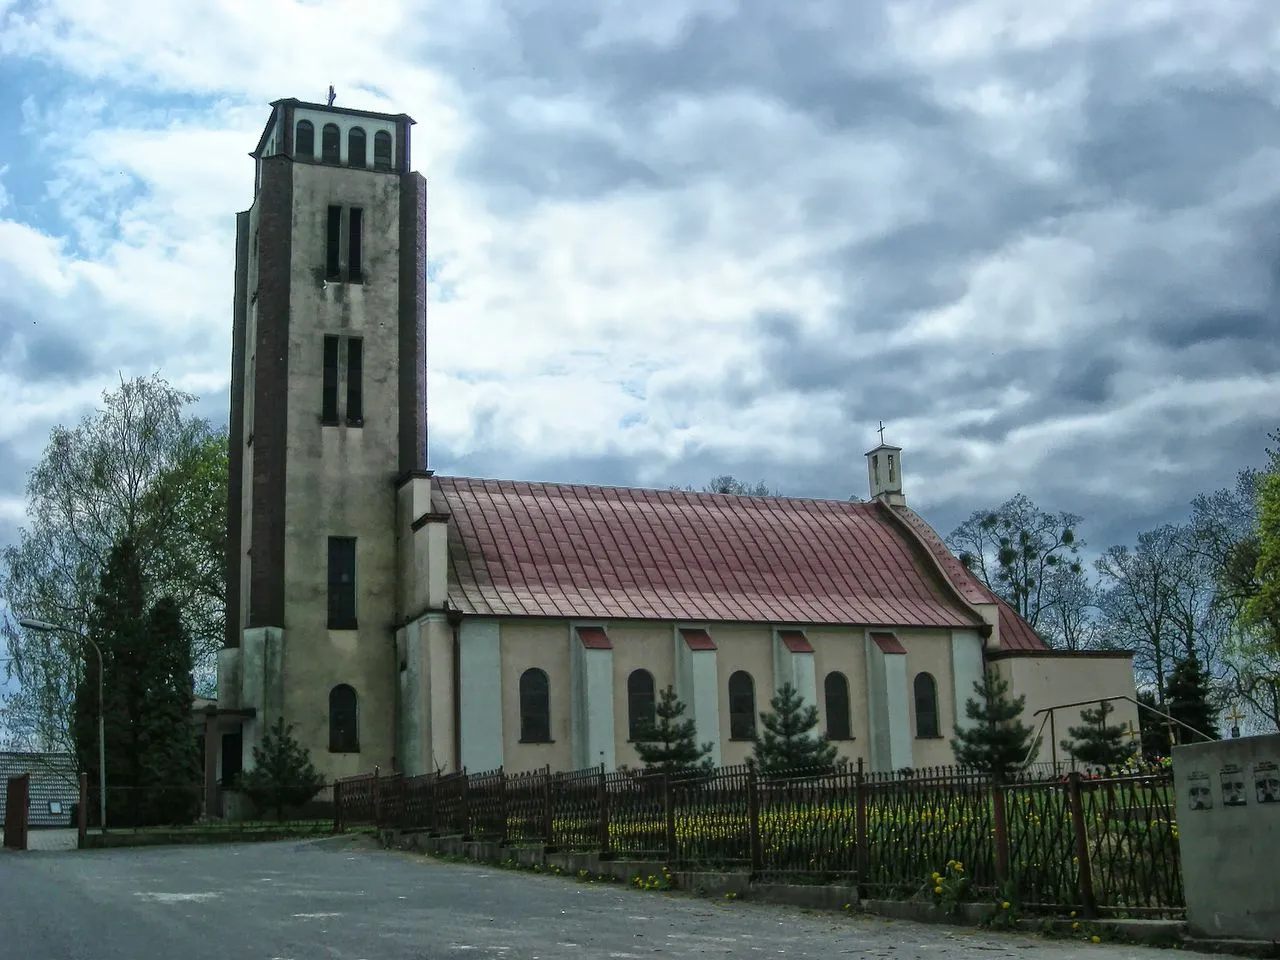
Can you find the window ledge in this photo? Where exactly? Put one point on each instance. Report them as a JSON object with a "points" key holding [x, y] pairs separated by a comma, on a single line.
{"points": [[848, 739], [742, 739], [328, 423], [929, 736], [523, 740], [355, 423], [343, 625], [356, 750]]}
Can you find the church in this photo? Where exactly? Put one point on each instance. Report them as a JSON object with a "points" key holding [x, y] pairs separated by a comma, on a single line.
{"points": [[408, 621]]}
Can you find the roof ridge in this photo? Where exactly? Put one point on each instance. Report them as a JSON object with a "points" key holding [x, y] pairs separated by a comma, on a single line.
{"points": [[632, 488]]}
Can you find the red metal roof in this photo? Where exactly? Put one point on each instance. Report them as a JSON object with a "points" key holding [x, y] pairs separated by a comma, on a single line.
{"points": [[697, 640], [795, 641], [593, 638], [888, 643], [561, 550]]}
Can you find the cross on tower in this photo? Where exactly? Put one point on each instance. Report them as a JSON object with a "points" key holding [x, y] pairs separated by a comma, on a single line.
{"points": [[332, 96], [882, 432]]}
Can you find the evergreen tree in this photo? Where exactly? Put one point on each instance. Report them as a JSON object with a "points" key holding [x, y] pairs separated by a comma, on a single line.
{"points": [[1155, 729], [1098, 743], [996, 742], [789, 743], [669, 744], [282, 775], [117, 624], [169, 759], [1187, 696]]}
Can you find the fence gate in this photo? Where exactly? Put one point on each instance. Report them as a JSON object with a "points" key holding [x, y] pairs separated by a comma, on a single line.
{"points": [[15, 812]]}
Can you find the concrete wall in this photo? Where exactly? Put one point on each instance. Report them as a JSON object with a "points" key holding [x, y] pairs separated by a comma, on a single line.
{"points": [[339, 478], [1228, 810], [543, 644], [929, 651], [748, 648], [839, 649], [1049, 678]]}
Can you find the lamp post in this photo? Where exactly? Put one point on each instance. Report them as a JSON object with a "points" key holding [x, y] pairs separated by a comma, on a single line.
{"points": [[42, 626]]}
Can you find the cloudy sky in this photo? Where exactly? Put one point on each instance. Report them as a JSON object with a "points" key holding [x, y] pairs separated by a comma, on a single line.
{"points": [[690, 237]]}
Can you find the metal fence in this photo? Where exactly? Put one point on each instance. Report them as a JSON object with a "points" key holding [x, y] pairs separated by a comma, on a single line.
{"points": [[1100, 845]]}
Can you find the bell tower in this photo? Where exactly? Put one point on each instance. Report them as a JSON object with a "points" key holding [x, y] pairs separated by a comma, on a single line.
{"points": [[328, 409], [884, 472]]}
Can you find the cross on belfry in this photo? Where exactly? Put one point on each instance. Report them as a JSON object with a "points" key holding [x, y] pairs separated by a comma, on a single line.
{"points": [[332, 96], [882, 431]]}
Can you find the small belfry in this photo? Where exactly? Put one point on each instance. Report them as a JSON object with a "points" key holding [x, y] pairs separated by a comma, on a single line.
{"points": [[884, 472]]}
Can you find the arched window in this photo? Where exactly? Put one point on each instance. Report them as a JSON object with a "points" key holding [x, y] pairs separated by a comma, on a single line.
{"points": [[640, 702], [355, 148], [742, 706], [835, 691], [535, 706], [344, 733], [304, 141], [382, 150], [330, 143], [926, 691]]}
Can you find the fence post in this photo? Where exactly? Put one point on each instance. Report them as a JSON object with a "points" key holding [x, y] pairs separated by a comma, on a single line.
{"points": [[82, 812], [1002, 831], [377, 797], [753, 818], [860, 826], [669, 808], [548, 808], [1074, 795], [504, 833], [467, 832], [603, 804], [337, 806]]}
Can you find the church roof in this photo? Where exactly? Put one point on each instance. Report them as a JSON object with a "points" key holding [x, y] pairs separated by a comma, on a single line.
{"points": [[591, 552]]}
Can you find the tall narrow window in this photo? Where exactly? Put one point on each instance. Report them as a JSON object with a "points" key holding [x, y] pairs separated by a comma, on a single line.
{"points": [[835, 691], [382, 150], [329, 389], [640, 703], [742, 706], [535, 706], [355, 148], [342, 583], [304, 141], [926, 697], [333, 245], [355, 245], [355, 381], [330, 143], [344, 729]]}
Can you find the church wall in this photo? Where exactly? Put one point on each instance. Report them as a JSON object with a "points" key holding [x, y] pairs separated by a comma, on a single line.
{"points": [[1049, 678], [749, 648], [338, 481], [645, 646], [930, 652], [843, 650], [543, 644]]}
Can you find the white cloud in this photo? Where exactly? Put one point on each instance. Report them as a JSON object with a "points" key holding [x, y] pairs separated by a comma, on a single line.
{"points": [[613, 211]]}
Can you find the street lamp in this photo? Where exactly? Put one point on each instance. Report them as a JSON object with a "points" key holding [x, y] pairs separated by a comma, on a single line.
{"points": [[42, 626]]}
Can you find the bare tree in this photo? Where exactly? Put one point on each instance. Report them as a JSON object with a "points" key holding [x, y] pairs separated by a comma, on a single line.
{"points": [[726, 483], [1016, 550], [1069, 620], [133, 468], [1157, 600]]}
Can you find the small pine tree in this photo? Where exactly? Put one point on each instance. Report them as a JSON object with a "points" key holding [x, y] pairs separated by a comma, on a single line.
{"points": [[669, 744], [997, 742], [282, 775], [1188, 695], [788, 743], [1098, 743]]}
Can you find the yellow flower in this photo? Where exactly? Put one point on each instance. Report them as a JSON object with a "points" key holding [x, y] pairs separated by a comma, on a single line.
{"points": [[937, 889], [1096, 939], [1073, 913], [1076, 925], [1004, 905]]}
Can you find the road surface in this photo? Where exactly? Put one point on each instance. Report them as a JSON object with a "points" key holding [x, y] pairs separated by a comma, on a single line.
{"points": [[339, 899]]}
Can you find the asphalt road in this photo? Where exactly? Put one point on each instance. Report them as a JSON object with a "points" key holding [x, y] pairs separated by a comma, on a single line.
{"points": [[337, 898]]}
